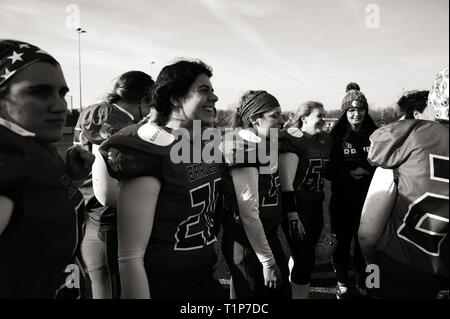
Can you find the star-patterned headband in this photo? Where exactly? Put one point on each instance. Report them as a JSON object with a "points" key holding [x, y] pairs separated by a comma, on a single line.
{"points": [[17, 57]]}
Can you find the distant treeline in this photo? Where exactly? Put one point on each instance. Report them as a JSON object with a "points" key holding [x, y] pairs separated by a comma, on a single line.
{"points": [[224, 117], [381, 117]]}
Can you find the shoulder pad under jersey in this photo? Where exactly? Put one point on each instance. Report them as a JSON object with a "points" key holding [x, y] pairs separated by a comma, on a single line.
{"points": [[392, 144], [154, 134]]}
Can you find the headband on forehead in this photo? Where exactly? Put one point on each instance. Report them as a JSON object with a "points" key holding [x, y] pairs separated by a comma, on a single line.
{"points": [[17, 57], [256, 102]]}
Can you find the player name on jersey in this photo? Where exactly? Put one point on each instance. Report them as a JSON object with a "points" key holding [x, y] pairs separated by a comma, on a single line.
{"points": [[350, 150], [198, 171]]}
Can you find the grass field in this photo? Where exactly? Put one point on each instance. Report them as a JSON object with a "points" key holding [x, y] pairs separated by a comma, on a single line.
{"points": [[323, 279]]}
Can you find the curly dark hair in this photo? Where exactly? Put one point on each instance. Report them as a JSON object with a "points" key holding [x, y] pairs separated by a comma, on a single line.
{"points": [[174, 81], [412, 101]]}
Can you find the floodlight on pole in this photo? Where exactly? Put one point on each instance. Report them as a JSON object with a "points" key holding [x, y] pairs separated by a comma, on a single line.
{"points": [[80, 31], [151, 68]]}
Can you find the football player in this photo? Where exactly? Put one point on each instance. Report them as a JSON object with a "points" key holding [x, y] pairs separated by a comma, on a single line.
{"points": [[404, 225], [304, 154], [250, 242], [125, 105], [412, 104], [41, 208], [166, 207]]}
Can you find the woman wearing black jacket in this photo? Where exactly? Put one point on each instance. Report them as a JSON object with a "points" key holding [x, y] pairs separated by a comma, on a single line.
{"points": [[41, 208], [350, 174]]}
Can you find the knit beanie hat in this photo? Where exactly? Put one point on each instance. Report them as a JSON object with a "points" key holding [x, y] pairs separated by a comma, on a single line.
{"points": [[354, 99]]}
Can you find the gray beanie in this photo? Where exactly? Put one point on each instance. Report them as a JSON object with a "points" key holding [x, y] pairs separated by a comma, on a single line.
{"points": [[354, 99]]}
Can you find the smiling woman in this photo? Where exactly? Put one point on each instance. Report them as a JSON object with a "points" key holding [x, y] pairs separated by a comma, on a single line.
{"points": [[39, 202], [350, 174], [304, 155], [250, 242], [166, 219]]}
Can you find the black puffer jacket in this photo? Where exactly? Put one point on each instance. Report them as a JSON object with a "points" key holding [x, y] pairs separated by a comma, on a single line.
{"points": [[349, 152]]}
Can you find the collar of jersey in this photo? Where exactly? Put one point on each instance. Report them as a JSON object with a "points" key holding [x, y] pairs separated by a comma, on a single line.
{"points": [[124, 111], [15, 128], [313, 138]]}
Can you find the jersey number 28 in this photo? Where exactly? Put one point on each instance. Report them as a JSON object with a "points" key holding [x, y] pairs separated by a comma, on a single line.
{"points": [[196, 231]]}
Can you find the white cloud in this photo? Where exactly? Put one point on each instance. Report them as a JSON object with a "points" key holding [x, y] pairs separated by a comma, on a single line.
{"points": [[223, 11], [255, 8], [295, 49]]}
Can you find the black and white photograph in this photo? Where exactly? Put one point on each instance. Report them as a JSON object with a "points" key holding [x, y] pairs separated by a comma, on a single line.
{"points": [[229, 155]]}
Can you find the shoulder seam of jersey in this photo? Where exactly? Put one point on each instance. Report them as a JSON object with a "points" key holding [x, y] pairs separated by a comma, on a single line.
{"points": [[124, 111]]}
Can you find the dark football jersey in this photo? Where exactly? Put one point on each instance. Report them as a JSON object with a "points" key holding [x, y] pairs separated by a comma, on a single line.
{"points": [[100, 121], [42, 236], [183, 231], [416, 233], [268, 187], [314, 155], [95, 124], [348, 153]]}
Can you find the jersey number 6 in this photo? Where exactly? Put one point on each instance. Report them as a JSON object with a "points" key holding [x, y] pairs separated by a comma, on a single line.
{"points": [[426, 223]]}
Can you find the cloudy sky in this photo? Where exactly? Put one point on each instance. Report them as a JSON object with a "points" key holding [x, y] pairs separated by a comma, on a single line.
{"points": [[296, 49]]}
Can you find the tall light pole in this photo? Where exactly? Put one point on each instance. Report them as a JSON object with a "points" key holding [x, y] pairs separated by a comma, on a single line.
{"points": [[151, 68], [80, 31]]}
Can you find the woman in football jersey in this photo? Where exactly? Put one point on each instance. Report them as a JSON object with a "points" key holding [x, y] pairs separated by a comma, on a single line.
{"points": [[404, 223], [41, 207], [126, 104], [304, 154], [166, 206], [412, 104], [350, 175], [250, 244]]}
